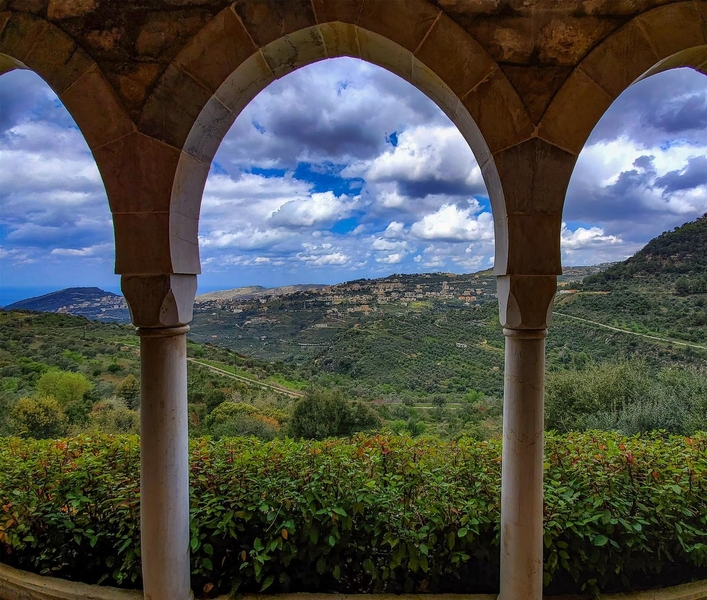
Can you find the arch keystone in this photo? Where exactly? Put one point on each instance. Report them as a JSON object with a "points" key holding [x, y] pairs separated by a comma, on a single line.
{"points": [[340, 39]]}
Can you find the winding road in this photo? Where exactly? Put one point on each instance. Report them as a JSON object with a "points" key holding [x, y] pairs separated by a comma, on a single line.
{"points": [[643, 335], [269, 386]]}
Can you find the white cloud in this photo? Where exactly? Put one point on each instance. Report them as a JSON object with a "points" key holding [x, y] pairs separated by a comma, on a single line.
{"points": [[318, 209], [452, 224]]}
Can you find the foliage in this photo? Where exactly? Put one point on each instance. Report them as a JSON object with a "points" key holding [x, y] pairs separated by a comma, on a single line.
{"points": [[67, 388], [627, 396], [322, 414], [113, 417], [368, 514], [240, 419], [129, 391], [39, 418]]}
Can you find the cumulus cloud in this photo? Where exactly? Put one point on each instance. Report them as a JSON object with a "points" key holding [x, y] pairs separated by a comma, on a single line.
{"points": [[343, 170], [318, 209], [453, 224]]}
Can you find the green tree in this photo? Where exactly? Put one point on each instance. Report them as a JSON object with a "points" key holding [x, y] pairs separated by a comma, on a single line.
{"points": [[67, 388], [359, 416], [39, 418], [318, 415], [129, 390]]}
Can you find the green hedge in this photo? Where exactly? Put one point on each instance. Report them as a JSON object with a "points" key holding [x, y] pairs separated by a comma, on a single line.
{"points": [[369, 514]]}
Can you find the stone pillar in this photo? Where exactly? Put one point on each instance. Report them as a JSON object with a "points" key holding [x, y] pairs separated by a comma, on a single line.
{"points": [[161, 308], [525, 304]]}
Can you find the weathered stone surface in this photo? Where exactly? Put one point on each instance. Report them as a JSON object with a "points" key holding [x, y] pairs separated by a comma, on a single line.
{"points": [[217, 50], [499, 112], [245, 83], [63, 9], [346, 11], [175, 104], [36, 7], [4, 18], [533, 245], [138, 172], [20, 34], [133, 82], [103, 119], [269, 20], [618, 61], [621, 8], [294, 50], [510, 40], [525, 302], [209, 129], [574, 112], [142, 243], [536, 86], [535, 176], [58, 60], [566, 41], [405, 22], [674, 28], [383, 52], [188, 187], [340, 39], [159, 300], [163, 34], [8, 64], [454, 56]]}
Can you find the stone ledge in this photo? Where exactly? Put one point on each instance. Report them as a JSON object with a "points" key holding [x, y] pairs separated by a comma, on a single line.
{"points": [[21, 585]]}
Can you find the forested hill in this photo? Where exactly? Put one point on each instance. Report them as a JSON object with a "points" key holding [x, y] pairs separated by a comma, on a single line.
{"points": [[661, 291], [90, 302], [680, 253]]}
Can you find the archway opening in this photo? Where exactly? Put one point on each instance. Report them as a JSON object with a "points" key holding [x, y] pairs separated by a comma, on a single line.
{"points": [[638, 324], [56, 256], [352, 197]]}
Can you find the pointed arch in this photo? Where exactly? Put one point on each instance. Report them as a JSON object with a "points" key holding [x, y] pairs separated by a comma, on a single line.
{"points": [[670, 36], [250, 44]]}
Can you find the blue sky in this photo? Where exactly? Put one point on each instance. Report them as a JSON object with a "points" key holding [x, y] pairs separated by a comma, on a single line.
{"points": [[338, 171]]}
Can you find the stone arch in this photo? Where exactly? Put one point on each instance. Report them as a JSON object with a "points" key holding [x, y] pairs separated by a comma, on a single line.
{"points": [[29, 42], [249, 45], [667, 37]]}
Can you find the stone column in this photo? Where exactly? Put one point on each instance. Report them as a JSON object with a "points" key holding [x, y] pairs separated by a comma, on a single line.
{"points": [[161, 308], [525, 303]]}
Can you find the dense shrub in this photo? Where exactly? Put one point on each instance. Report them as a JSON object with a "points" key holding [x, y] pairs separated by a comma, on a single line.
{"points": [[368, 514], [38, 418], [325, 413], [628, 396]]}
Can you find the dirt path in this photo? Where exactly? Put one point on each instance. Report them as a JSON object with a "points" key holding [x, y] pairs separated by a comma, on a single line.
{"points": [[269, 386], [643, 335]]}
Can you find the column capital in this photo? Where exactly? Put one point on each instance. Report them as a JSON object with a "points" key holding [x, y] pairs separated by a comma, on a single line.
{"points": [[159, 301], [525, 301]]}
